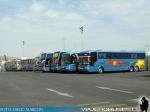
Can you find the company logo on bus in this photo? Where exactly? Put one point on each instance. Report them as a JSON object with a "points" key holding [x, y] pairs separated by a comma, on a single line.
{"points": [[115, 63]]}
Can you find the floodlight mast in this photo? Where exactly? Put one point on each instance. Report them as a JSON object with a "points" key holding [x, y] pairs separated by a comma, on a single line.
{"points": [[23, 49], [82, 39], [64, 43]]}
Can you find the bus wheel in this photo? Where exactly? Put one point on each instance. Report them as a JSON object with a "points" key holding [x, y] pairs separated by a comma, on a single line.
{"points": [[136, 69], [101, 70], [131, 69]]}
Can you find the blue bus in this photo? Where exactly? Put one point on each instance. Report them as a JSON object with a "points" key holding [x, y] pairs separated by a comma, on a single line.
{"points": [[69, 61], [45, 60], [56, 61], [103, 61]]}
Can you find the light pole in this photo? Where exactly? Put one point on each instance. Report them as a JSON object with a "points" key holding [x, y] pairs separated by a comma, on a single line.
{"points": [[82, 41], [23, 49], [64, 42]]}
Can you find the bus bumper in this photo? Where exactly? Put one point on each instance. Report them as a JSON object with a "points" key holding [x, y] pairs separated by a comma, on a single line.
{"points": [[69, 68], [83, 69], [87, 68]]}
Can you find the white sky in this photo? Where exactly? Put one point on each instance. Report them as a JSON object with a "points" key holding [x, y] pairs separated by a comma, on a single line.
{"points": [[108, 25]]}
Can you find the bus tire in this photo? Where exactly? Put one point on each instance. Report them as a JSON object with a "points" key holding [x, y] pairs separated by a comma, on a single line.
{"points": [[101, 70], [131, 69], [136, 69]]}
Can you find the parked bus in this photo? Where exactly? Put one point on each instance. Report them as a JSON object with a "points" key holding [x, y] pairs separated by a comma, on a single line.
{"points": [[37, 64], [28, 64], [40, 62], [46, 62], [43, 62], [103, 61], [56, 61], [13, 65], [69, 62]]}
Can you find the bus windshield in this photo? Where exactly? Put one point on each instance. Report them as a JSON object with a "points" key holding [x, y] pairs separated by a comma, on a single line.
{"points": [[43, 55], [56, 58], [66, 59], [83, 60], [87, 58]]}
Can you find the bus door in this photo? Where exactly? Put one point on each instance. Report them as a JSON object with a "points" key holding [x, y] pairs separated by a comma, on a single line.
{"points": [[93, 58]]}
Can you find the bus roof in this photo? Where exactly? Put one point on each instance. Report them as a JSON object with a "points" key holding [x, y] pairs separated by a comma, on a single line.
{"points": [[121, 51], [70, 53], [67, 51]]}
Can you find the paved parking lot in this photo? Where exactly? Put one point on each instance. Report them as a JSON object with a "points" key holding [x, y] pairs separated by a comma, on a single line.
{"points": [[73, 89]]}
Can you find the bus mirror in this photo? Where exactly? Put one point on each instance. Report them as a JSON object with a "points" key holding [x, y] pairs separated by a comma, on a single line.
{"points": [[91, 61], [74, 59]]}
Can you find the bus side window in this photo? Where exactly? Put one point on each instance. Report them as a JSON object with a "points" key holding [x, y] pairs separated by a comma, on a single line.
{"points": [[134, 56], [141, 56], [102, 55]]}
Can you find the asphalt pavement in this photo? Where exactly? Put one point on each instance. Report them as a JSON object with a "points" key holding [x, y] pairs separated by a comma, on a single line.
{"points": [[120, 89]]}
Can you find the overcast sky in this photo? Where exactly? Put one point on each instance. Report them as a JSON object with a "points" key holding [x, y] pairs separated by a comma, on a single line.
{"points": [[108, 25]]}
